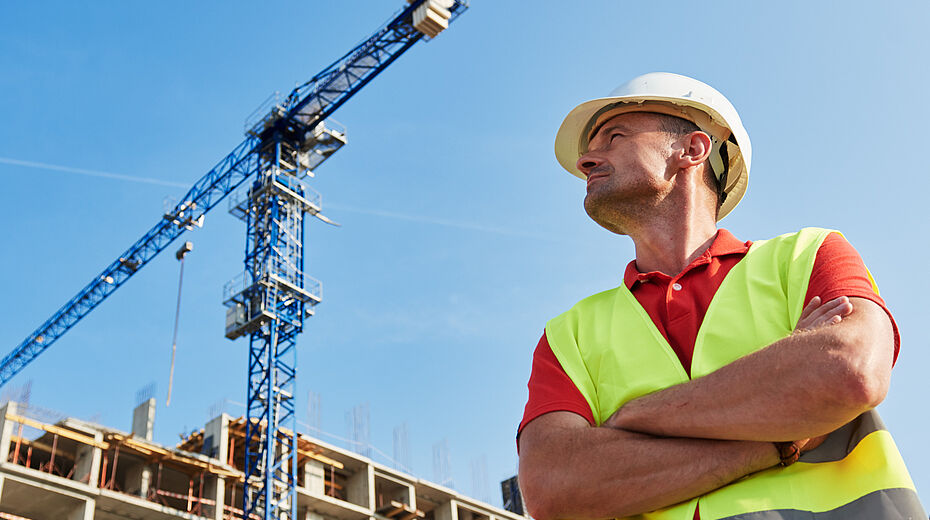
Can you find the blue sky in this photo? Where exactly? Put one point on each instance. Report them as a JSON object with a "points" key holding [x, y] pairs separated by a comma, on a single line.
{"points": [[460, 234]]}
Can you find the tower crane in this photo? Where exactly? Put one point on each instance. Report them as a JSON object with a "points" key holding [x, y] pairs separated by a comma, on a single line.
{"points": [[269, 301]]}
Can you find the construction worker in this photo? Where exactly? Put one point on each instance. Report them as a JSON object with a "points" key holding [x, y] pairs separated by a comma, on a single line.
{"points": [[722, 378]]}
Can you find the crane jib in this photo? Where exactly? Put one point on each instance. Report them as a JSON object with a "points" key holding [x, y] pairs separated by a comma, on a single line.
{"points": [[308, 105]]}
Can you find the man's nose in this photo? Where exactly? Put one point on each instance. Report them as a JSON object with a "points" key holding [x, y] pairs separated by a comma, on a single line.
{"points": [[588, 162]]}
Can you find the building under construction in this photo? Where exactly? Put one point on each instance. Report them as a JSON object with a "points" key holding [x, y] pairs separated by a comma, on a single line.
{"points": [[77, 470]]}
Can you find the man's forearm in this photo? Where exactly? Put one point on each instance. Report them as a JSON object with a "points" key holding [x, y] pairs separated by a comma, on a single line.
{"points": [[592, 473], [803, 386]]}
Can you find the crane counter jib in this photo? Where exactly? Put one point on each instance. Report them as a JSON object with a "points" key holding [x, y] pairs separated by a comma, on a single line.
{"points": [[286, 143], [387, 43]]}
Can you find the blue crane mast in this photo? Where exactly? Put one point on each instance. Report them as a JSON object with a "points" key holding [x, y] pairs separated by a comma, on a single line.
{"points": [[270, 300]]}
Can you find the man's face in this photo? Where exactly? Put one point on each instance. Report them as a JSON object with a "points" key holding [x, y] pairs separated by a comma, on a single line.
{"points": [[627, 168]]}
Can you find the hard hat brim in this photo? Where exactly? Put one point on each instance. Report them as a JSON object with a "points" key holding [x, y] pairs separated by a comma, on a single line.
{"points": [[572, 136]]}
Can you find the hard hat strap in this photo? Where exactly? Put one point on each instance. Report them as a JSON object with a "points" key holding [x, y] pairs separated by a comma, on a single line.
{"points": [[717, 158], [723, 157]]}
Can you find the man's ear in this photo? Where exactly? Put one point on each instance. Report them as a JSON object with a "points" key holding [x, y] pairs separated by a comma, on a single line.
{"points": [[695, 149]]}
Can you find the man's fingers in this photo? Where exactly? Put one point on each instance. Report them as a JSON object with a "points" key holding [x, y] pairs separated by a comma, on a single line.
{"points": [[810, 308], [806, 445], [827, 320], [835, 307], [809, 314], [830, 313]]}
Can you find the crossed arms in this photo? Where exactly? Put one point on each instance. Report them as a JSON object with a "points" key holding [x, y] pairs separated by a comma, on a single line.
{"points": [[692, 438]]}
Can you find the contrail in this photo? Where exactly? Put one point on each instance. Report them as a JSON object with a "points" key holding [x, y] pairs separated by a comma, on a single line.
{"points": [[91, 173], [440, 222], [374, 212]]}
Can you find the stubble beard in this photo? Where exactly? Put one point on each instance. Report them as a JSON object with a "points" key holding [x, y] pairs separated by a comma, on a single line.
{"points": [[618, 210]]}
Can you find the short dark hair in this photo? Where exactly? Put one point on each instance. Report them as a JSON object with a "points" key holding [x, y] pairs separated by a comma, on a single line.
{"points": [[676, 126], [679, 126]]}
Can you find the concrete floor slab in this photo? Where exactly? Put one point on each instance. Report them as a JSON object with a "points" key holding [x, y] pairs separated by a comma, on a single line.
{"points": [[37, 502], [112, 505]]}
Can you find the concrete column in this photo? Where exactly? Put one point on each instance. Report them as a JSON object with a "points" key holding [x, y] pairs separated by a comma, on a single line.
{"points": [[85, 511], [312, 515], [143, 427], [214, 488], [216, 446], [413, 497], [447, 511], [216, 438], [388, 489], [6, 430], [143, 420], [87, 462], [407, 496], [360, 488], [315, 477], [139, 480]]}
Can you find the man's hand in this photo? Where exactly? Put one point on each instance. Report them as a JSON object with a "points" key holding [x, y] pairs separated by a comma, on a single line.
{"points": [[806, 445], [818, 314], [802, 386], [569, 469]]}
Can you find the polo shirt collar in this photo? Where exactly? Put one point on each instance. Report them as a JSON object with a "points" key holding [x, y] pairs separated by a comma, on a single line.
{"points": [[724, 244]]}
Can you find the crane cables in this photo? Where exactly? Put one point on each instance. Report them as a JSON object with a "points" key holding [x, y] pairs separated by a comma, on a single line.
{"points": [[180, 255]]}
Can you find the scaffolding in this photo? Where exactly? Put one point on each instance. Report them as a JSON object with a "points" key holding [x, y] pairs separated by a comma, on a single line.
{"points": [[77, 470]]}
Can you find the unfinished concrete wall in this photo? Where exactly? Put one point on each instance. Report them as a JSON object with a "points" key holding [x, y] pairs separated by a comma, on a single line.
{"points": [[214, 489], [143, 420], [311, 515], [315, 477], [216, 445], [39, 496], [388, 489], [87, 462], [360, 487], [446, 511], [6, 430], [216, 438], [468, 513], [138, 478], [83, 511]]}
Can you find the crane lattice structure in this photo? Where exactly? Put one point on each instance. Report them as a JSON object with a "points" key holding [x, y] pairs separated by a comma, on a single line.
{"points": [[270, 300]]}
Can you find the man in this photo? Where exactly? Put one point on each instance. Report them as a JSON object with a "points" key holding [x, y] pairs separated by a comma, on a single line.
{"points": [[722, 379]]}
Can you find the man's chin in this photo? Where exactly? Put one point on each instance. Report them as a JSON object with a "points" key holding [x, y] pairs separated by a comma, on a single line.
{"points": [[596, 213], [613, 229]]}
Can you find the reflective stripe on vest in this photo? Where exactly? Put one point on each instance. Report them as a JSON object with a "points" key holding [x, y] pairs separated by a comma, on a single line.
{"points": [[612, 351]]}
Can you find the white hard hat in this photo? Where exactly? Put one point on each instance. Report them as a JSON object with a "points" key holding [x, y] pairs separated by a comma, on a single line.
{"points": [[676, 95]]}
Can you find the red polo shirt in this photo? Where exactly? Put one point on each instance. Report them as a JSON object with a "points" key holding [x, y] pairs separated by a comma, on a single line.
{"points": [[677, 305]]}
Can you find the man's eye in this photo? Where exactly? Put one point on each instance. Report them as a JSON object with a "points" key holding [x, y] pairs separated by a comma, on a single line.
{"points": [[615, 135]]}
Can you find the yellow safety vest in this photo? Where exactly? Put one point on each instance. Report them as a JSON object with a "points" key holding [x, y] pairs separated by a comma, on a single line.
{"points": [[612, 351]]}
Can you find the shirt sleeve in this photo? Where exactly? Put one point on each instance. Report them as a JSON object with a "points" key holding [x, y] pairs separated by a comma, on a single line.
{"points": [[840, 271], [550, 389]]}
